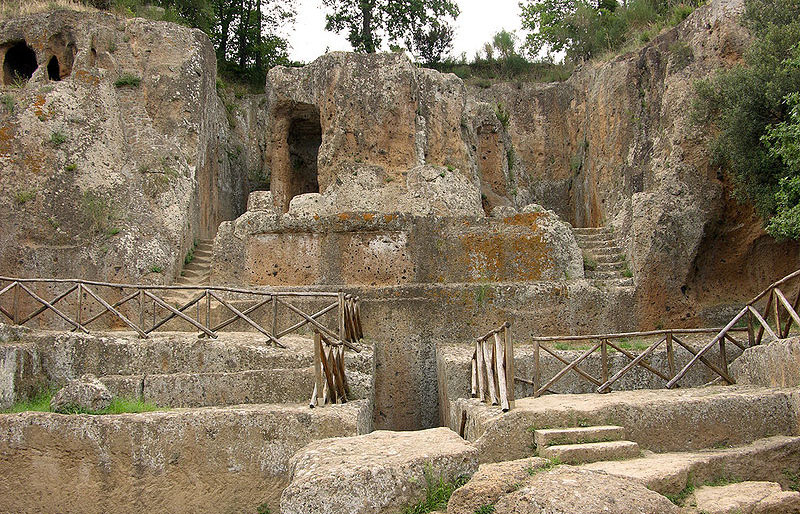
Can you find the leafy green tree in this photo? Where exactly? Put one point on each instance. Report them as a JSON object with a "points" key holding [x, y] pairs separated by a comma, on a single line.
{"points": [[748, 102], [368, 23], [579, 28], [244, 32], [783, 142], [431, 44]]}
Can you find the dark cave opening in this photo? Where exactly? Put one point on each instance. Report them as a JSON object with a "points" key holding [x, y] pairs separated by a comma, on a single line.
{"points": [[19, 63]]}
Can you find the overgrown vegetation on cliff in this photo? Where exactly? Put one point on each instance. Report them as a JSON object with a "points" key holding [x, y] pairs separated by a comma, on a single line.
{"points": [[582, 29], [754, 107]]}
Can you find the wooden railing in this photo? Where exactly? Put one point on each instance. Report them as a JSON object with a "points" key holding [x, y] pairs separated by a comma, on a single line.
{"points": [[605, 343], [784, 316], [145, 309], [775, 305], [493, 368]]}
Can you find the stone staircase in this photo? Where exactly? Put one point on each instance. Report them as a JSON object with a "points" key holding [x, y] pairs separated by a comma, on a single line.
{"points": [[581, 445], [197, 272], [604, 259]]}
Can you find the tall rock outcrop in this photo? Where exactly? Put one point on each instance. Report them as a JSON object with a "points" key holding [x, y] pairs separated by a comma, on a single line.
{"points": [[115, 148], [615, 146], [376, 133]]}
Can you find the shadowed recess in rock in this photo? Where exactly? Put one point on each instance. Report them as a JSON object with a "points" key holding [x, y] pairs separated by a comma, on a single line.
{"points": [[19, 63]]}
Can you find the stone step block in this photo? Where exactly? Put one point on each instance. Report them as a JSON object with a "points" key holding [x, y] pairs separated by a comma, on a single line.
{"points": [[604, 275], [610, 266], [591, 452], [753, 497], [381, 472], [591, 230], [259, 386], [577, 435]]}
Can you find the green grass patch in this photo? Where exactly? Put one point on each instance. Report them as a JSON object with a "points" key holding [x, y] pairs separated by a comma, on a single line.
{"points": [[155, 268], [437, 494], [24, 196], [589, 262], [680, 497], [41, 403], [58, 138], [9, 102], [551, 463], [127, 80], [485, 509]]}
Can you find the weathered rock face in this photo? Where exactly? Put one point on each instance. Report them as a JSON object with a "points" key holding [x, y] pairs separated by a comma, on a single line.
{"points": [[775, 364], [615, 145], [381, 472], [116, 151], [84, 393], [492, 482], [369, 248], [216, 460], [372, 131]]}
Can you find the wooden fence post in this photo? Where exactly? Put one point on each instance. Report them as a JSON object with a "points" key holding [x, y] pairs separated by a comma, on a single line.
{"points": [[510, 371]]}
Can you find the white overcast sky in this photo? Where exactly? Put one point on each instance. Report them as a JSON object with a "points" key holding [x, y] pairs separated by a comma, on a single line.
{"points": [[478, 22]]}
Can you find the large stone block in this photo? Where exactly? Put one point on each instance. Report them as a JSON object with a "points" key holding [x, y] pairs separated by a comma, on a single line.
{"points": [[377, 473]]}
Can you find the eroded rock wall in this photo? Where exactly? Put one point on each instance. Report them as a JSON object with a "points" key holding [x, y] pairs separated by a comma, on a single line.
{"points": [[113, 166], [615, 146], [375, 117]]}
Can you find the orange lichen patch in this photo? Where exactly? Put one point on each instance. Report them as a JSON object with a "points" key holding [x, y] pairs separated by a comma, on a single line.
{"points": [[500, 257], [524, 220], [8, 132], [368, 216], [344, 216], [37, 105], [388, 218], [86, 77]]}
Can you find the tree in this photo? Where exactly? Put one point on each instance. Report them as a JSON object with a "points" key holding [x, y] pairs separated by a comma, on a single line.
{"points": [[430, 45], [244, 32], [750, 107], [579, 28], [416, 23]]}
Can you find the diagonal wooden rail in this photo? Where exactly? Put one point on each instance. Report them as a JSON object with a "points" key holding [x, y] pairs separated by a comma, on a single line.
{"points": [[146, 308]]}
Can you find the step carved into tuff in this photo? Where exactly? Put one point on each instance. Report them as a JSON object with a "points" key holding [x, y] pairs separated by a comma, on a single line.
{"points": [[605, 260], [556, 436], [591, 452]]}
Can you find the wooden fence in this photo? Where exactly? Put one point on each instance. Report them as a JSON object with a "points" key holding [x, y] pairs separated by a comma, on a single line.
{"points": [[493, 368], [771, 304], [146, 308], [605, 343]]}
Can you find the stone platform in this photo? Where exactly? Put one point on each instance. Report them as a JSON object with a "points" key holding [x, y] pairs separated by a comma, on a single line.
{"points": [[658, 420]]}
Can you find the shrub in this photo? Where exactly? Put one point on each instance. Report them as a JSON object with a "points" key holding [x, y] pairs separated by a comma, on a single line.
{"points": [[71, 167], [437, 494], [743, 103], [127, 80], [155, 268], [502, 114]]}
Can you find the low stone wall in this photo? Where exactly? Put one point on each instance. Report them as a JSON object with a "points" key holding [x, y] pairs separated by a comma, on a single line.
{"points": [[371, 249], [658, 420], [214, 460], [171, 370], [454, 375]]}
